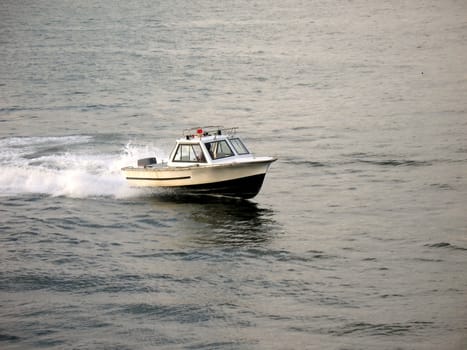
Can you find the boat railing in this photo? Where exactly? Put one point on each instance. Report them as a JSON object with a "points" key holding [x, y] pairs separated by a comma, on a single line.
{"points": [[209, 131]]}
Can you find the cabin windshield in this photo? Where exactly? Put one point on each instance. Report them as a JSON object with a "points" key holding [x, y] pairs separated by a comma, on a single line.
{"points": [[239, 146], [219, 149], [189, 153]]}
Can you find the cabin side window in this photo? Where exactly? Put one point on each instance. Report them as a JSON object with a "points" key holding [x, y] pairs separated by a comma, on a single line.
{"points": [[189, 153], [219, 149], [239, 146]]}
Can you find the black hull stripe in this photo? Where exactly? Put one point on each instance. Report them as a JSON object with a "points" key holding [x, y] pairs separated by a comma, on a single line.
{"points": [[160, 179]]}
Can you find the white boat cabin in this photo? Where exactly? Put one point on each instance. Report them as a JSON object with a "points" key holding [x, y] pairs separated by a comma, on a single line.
{"points": [[213, 145]]}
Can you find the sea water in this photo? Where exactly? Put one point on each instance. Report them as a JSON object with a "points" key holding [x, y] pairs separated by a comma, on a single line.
{"points": [[358, 239]]}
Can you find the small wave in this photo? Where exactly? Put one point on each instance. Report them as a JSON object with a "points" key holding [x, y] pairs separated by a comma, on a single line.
{"points": [[445, 245], [442, 186], [20, 141], [32, 281], [395, 162], [9, 338], [182, 313], [389, 160], [378, 329], [308, 163], [286, 256]]}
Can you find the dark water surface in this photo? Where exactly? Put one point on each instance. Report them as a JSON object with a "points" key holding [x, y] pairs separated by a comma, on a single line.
{"points": [[358, 239]]}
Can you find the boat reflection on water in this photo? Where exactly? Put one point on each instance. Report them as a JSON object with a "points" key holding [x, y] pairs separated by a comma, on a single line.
{"points": [[222, 221]]}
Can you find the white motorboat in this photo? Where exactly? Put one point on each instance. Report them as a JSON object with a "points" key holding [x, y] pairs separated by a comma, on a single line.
{"points": [[211, 160]]}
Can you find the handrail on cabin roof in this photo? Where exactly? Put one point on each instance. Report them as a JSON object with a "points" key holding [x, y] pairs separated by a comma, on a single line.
{"points": [[209, 130]]}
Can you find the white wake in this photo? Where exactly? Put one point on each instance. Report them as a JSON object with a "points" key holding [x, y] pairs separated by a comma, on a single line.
{"points": [[67, 166]]}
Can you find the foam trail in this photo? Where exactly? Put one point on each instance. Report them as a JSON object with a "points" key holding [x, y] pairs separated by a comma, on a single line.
{"points": [[45, 165]]}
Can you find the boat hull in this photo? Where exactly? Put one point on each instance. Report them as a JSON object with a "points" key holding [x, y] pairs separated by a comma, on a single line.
{"points": [[242, 180], [245, 187]]}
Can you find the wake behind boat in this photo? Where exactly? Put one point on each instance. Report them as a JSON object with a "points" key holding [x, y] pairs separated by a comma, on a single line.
{"points": [[211, 160]]}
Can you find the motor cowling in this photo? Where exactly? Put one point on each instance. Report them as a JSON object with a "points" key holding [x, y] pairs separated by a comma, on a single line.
{"points": [[145, 162]]}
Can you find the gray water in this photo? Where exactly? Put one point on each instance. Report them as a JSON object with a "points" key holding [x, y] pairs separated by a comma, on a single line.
{"points": [[358, 239]]}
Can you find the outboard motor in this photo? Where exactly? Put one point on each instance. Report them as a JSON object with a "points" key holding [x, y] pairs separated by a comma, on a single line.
{"points": [[145, 162]]}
